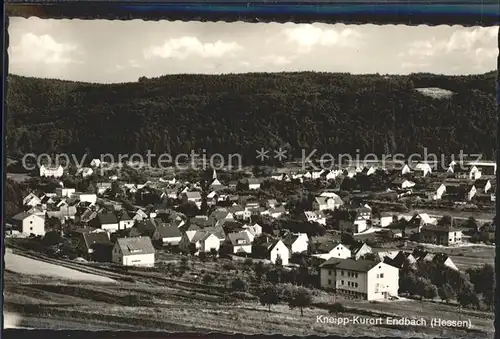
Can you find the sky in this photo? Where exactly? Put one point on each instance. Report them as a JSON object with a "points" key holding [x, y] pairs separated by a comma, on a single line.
{"points": [[105, 51]]}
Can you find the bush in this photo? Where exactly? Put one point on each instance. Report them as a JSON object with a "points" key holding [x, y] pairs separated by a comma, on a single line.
{"points": [[239, 284], [337, 308], [248, 262], [229, 266], [207, 279]]}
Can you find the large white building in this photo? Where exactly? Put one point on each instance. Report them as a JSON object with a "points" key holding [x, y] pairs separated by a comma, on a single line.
{"points": [[28, 223], [137, 251], [366, 279]]}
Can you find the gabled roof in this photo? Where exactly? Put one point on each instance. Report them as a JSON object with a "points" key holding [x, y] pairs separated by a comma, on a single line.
{"points": [[95, 238], [331, 263], [107, 218], [439, 228], [169, 231], [360, 265], [193, 195], [235, 237], [136, 246]]}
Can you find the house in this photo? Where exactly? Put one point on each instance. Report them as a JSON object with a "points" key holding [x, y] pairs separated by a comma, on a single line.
{"points": [[370, 280], [436, 193], [28, 223], [139, 215], [482, 185], [102, 187], [467, 172], [405, 170], [440, 235], [276, 212], [106, 221], [95, 246], [323, 203], [440, 258], [387, 218], [421, 219], [359, 250], [137, 251], [85, 197], [85, 172], [315, 216], [401, 260], [65, 192], [31, 200], [193, 197], [296, 242], [95, 163], [51, 171], [253, 184], [125, 221], [200, 241], [277, 250], [240, 242], [168, 235], [422, 169], [216, 185], [368, 170], [272, 203], [253, 231], [334, 249], [401, 183]]}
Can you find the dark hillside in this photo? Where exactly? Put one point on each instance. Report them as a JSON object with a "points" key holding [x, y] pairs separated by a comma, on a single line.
{"points": [[337, 113]]}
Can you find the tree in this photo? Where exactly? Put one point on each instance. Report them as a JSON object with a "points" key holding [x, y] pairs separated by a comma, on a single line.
{"points": [[268, 295], [472, 224], [301, 298], [278, 262], [259, 270], [207, 279], [239, 285], [467, 297], [446, 292], [446, 220]]}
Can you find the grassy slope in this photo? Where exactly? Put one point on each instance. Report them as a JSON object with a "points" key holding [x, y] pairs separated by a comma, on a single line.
{"points": [[46, 302]]}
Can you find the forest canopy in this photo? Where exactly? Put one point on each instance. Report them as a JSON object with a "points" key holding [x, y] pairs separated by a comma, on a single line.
{"points": [[239, 113]]}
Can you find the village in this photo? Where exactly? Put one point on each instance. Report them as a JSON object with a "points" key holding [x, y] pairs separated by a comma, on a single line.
{"points": [[355, 233]]}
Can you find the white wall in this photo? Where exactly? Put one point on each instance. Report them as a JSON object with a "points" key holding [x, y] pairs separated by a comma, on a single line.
{"points": [[33, 224], [388, 283]]}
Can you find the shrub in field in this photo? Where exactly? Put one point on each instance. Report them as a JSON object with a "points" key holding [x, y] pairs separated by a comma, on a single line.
{"points": [[207, 279], [229, 266], [239, 284], [243, 296], [301, 298], [337, 308], [248, 262], [268, 295]]}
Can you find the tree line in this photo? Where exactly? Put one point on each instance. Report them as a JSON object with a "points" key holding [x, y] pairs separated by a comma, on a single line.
{"points": [[239, 113]]}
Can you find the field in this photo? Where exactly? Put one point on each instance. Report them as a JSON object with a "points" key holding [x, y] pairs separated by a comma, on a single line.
{"points": [[149, 300]]}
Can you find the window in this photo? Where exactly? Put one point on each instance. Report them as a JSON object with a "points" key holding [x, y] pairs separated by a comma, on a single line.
{"points": [[355, 284], [341, 272], [341, 282], [381, 275], [31, 221], [329, 281], [31, 228], [329, 272]]}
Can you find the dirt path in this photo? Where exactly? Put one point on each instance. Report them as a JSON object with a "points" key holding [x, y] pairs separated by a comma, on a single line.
{"points": [[23, 265]]}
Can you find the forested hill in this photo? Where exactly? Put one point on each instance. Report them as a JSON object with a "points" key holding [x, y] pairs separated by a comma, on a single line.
{"points": [[239, 113]]}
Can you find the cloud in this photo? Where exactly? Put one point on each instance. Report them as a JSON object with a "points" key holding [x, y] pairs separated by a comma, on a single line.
{"points": [[277, 60], [182, 48], [477, 41], [308, 35], [43, 49]]}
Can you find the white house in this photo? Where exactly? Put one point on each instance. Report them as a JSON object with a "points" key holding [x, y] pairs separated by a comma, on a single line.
{"points": [[278, 250], [103, 187], [253, 231], [240, 242], [253, 183], [405, 170], [315, 216], [28, 223], [201, 240], [95, 163], [296, 242], [51, 171], [31, 200], [138, 251], [85, 197], [366, 279], [327, 251], [359, 250], [483, 184], [327, 203], [125, 221], [65, 192], [85, 172], [168, 235], [424, 168], [402, 183], [193, 197]]}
